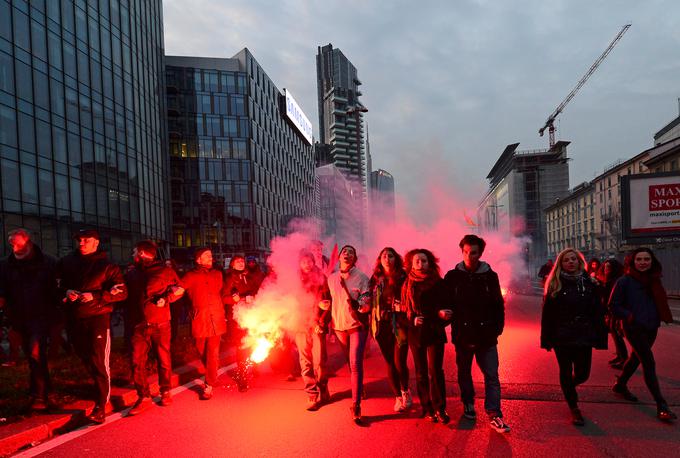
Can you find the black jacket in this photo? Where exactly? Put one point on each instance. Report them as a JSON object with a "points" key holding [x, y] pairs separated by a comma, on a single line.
{"points": [[477, 304], [94, 274], [432, 330], [574, 317], [146, 285], [29, 287]]}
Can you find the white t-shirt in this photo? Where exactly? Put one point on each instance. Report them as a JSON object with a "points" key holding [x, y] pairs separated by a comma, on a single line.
{"points": [[341, 312]]}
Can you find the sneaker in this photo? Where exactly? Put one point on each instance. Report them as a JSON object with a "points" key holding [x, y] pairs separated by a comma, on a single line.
{"points": [[663, 413], [325, 395], [313, 402], [166, 398], [140, 405], [615, 360], [623, 391], [398, 404], [469, 411], [291, 378], [407, 400], [207, 393], [617, 365], [97, 416], [443, 417], [576, 417], [499, 425], [38, 405], [428, 414]]}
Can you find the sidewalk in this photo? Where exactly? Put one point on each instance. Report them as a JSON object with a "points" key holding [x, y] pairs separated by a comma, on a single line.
{"points": [[40, 427], [674, 304]]}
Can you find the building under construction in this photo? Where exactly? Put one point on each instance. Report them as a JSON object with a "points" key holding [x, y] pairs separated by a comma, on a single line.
{"points": [[521, 185]]}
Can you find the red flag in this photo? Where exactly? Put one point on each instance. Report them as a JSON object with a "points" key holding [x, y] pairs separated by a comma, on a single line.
{"points": [[468, 220]]}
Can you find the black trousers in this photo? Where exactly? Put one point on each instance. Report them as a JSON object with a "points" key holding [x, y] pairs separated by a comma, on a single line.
{"points": [[92, 342], [429, 365], [395, 356], [34, 338], [641, 341], [574, 363], [145, 337]]}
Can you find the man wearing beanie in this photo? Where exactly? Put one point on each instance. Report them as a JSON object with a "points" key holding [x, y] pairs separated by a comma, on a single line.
{"points": [[152, 286], [203, 284]]}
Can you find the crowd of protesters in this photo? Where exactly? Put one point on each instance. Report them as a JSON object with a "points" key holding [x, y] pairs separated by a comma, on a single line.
{"points": [[405, 305]]}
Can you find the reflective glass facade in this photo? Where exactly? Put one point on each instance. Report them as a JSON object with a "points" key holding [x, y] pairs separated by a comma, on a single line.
{"points": [[239, 171], [82, 129]]}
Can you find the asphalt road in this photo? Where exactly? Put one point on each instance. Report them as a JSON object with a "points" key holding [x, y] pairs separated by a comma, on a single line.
{"points": [[270, 419]]}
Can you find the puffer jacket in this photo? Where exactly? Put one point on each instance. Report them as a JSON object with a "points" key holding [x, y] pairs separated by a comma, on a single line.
{"points": [[146, 285], [575, 316], [204, 288], [477, 304], [94, 274], [29, 288]]}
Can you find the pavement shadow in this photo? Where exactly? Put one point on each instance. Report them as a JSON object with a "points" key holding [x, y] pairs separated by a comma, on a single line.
{"points": [[465, 424]]}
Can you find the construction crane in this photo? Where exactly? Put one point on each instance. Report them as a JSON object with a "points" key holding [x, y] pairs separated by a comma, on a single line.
{"points": [[549, 124]]}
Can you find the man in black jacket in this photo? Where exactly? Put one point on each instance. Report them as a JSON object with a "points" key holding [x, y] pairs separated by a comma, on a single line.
{"points": [[91, 284], [28, 290], [152, 286], [474, 295]]}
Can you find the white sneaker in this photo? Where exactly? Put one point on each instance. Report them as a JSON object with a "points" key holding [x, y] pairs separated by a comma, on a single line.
{"points": [[398, 404], [499, 425], [407, 400]]}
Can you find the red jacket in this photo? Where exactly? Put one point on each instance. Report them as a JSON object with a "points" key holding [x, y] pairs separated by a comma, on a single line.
{"points": [[204, 287], [146, 285]]}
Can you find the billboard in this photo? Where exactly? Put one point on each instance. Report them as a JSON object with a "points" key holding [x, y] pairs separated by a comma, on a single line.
{"points": [[297, 117], [651, 205]]}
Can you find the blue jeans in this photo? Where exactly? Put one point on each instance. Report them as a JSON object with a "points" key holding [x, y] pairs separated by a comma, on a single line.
{"points": [[353, 342], [487, 360]]}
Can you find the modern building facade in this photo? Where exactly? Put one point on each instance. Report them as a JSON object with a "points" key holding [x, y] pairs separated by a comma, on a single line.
{"points": [[521, 185], [571, 222], [240, 169], [82, 127], [338, 210], [341, 120], [382, 202]]}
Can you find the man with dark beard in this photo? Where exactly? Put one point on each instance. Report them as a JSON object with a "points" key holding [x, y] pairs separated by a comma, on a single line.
{"points": [[91, 284], [29, 290], [152, 286]]}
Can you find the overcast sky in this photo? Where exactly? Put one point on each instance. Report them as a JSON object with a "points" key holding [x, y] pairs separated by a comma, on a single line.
{"points": [[454, 82]]}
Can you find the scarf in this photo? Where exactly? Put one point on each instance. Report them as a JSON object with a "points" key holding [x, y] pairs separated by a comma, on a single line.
{"points": [[409, 296], [654, 288]]}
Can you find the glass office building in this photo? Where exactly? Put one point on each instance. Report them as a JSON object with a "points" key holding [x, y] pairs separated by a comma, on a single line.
{"points": [[82, 127], [240, 169]]}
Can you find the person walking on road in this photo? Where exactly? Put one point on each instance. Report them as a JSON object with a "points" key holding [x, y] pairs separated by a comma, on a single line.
{"points": [[421, 297], [350, 311], [203, 285], [389, 323], [152, 286], [572, 323], [474, 294], [609, 272], [91, 285], [28, 292], [640, 301], [311, 338]]}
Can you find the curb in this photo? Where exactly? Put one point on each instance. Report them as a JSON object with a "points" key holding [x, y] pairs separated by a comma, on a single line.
{"points": [[31, 431]]}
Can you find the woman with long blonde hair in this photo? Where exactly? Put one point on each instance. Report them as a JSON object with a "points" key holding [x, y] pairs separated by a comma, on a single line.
{"points": [[572, 323]]}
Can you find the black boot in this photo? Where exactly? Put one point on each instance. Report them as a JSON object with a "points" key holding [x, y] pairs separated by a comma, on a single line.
{"points": [[355, 410]]}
